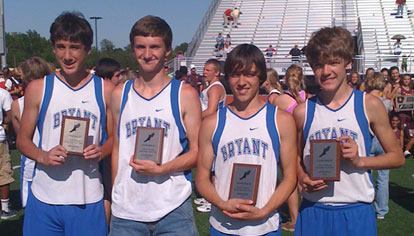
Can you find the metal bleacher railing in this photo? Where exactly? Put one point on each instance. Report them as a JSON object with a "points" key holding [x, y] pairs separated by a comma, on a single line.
{"points": [[202, 28]]}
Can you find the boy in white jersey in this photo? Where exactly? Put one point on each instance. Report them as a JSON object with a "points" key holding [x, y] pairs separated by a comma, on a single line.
{"points": [[32, 68], [214, 96], [151, 199], [352, 118], [247, 131], [66, 193]]}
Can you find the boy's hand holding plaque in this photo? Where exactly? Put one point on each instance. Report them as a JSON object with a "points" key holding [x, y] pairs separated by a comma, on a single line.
{"points": [[245, 182], [74, 134], [324, 160], [149, 143]]}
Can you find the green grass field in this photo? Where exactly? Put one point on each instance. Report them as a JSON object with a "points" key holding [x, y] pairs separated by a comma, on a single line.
{"points": [[399, 220]]}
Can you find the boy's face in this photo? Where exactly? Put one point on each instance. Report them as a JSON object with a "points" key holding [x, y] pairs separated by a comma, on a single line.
{"points": [[209, 72], [115, 78], [70, 55], [244, 86], [150, 53], [331, 74]]}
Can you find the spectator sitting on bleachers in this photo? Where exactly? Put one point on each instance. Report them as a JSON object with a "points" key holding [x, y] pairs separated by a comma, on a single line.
{"points": [[295, 53], [227, 17], [236, 15]]}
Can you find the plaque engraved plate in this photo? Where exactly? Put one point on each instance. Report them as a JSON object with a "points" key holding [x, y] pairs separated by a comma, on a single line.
{"points": [[149, 143], [325, 160], [245, 181], [74, 134]]}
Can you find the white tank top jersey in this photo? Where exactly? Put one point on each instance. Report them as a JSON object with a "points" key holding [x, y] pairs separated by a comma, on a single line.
{"points": [[142, 197], [204, 96], [254, 140], [350, 119], [77, 181], [27, 164]]}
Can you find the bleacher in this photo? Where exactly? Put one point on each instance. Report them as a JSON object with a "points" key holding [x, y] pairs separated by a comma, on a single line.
{"points": [[284, 23], [379, 26]]}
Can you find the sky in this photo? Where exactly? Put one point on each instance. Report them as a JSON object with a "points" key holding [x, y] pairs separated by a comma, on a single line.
{"points": [[183, 16]]}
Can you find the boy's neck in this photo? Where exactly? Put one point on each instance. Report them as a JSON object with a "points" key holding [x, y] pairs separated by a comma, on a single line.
{"points": [[336, 98], [149, 84], [76, 79], [248, 108]]}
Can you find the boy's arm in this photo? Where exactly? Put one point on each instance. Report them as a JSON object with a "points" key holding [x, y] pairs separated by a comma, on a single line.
{"points": [[214, 94], [191, 116], [115, 110], [288, 157], [33, 97], [15, 115], [303, 177], [204, 163], [94, 150], [379, 123]]}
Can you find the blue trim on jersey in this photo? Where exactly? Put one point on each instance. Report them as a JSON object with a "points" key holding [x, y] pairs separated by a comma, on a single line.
{"points": [[353, 91], [221, 104], [218, 132], [310, 113], [98, 82], [49, 81], [175, 107], [362, 120], [22, 166], [149, 99], [124, 100], [251, 115], [271, 129], [73, 88]]}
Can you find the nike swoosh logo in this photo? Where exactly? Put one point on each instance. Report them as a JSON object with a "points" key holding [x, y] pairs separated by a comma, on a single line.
{"points": [[84, 101], [339, 120], [251, 129], [158, 110]]}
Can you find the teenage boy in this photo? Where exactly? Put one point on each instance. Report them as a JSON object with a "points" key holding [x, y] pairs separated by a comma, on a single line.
{"points": [[66, 196], [350, 117], [214, 96], [108, 68], [247, 131], [151, 199]]}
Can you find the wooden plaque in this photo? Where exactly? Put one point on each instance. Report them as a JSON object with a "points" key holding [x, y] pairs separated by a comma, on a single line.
{"points": [[245, 181], [325, 160], [74, 134], [149, 144]]}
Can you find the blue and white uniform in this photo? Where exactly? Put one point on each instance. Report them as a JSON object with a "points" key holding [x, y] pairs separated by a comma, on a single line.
{"points": [[324, 123], [147, 198], [204, 96], [78, 180], [344, 207], [27, 164], [254, 140]]}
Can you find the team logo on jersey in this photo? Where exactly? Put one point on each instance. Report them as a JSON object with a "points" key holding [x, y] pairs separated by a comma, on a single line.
{"points": [[333, 133], [244, 146], [74, 112], [146, 121]]}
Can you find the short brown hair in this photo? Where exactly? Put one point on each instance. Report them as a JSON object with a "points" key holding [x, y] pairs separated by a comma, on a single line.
{"points": [[152, 26], [215, 63], [330, 42], [35, 68], [241, 60]]}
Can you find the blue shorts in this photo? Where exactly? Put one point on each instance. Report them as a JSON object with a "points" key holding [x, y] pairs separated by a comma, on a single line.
{"points": [[324, 220], [178, 222], [215, 232], [43, 219]]}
